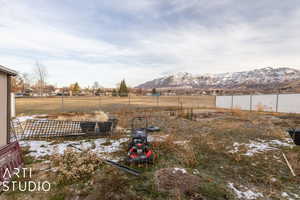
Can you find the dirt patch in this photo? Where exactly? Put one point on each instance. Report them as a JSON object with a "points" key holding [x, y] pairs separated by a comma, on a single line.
{"points": [[176, 180]]}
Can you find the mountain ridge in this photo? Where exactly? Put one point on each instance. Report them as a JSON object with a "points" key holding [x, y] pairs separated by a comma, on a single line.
{"points": [[267, 77]]}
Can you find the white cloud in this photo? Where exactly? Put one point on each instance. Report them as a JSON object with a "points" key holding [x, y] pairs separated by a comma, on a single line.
{"points": [[27, 34]]}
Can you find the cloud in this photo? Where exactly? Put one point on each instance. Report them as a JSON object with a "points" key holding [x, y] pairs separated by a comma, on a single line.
{"points": [[142, 39]]}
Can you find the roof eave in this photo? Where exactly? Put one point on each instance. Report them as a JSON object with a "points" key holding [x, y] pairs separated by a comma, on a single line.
{"points": [[8, 71]]}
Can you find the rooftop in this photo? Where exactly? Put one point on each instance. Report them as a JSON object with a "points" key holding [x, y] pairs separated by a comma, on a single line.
{"points": [[8, 71]]}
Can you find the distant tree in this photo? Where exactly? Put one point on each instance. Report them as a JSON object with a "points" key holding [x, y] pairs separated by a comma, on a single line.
{"points": [[98, 92], [40, 72], [139, 91], [114, 93], [96, 85], [154, 91], [75, 88], [17, 83], [27, 81], [96, 88], [123, 90]]}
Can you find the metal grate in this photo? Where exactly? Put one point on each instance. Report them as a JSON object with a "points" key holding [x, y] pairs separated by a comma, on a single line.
{"points": [[51, 128], [40, 128], [16, 130]]}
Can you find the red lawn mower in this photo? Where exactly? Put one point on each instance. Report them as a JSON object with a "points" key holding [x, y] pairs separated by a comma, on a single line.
{"points": [[139, 150]]}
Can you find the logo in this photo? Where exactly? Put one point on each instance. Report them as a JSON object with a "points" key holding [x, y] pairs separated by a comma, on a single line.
{"points": [[23, 186]]}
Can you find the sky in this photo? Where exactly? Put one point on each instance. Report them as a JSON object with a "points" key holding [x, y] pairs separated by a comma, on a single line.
{"points": [[139, 40]]}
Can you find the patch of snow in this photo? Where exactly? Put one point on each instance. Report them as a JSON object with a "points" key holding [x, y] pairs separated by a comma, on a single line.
{"points": [[284, 194], [25, 118], [273, 180], [296, 195], [44, 148], [247, 194], [161, 138], [260, 146], [181, 142], [288, 195], [179, 169], [157, 138]]}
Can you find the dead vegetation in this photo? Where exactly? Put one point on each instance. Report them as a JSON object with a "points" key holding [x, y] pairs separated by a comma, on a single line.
{"points": [[75, 166], [235, 148]]}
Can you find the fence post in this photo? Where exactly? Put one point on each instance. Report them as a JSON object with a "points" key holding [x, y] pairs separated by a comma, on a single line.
{"points": [[99, 101], [157, 100], [250, 102], [232, 102], [277, 99], [129, 99], [62, 101], [216, 101]]}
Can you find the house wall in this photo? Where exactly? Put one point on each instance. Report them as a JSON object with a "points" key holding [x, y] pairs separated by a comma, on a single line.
{"points": [[3, 109]]}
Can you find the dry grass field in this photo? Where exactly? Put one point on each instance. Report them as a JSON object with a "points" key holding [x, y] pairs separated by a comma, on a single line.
{"points": [[87, 104]]}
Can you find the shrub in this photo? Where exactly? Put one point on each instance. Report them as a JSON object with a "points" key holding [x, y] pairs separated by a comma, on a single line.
{"points": [[75, 166]]}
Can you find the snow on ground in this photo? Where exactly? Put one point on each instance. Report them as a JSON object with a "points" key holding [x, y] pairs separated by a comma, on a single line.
{"points": [[290, 196], [157, 138], [44, 148], [25, 118], [162, 138], [183, 171], [247, 194], [260, 146]]}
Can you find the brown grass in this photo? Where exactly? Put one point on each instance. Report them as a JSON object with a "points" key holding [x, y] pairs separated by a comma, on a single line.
{"points": [[87, 104]]}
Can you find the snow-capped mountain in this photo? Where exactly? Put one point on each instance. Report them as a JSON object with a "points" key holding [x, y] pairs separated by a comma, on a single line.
{"points": [[259, 78]]}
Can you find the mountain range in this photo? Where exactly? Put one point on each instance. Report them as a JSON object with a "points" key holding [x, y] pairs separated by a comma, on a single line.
{"points": [[262, 78]]}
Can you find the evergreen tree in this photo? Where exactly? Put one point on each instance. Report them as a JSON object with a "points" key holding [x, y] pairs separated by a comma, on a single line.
{"points": [[123, 90], [75, 88]]}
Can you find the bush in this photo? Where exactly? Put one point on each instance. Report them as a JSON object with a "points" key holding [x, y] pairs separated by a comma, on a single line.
{"points": [[75, 166]]}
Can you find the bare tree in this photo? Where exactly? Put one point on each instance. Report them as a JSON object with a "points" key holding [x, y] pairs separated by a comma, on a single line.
{"points": [[27, 81], [40, 71], [96, 85]]}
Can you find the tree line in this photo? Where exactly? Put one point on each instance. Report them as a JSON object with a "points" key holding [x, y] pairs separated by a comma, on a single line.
{"points": [[35, 83]]}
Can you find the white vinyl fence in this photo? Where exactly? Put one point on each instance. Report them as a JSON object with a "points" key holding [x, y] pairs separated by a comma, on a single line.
{"points": [[286, 103]]}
